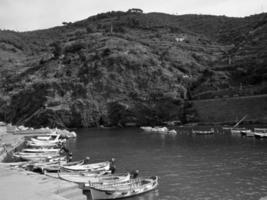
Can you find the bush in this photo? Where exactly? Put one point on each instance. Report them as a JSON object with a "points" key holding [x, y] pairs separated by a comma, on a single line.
{"points": [[74, 47], [56, 49]]}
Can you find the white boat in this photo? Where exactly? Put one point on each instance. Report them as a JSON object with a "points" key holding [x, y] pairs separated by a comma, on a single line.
{"points": [[146, 128], [48, 137], [172, 132], [237, 130], [160, 129], [35, 156], [50, 141], [43, 145], [248, 133], [155, 129], [89, 167], [101, 177], [204, 132], [122, 190], [41, 150], [38, 159], [47, 166], [260, 132]]}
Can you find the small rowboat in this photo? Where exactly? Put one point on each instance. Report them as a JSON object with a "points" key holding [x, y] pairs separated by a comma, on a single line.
{"points": [[155, 129], [40, 142], [260, 132], [47, 138], [41, 150], [247, 133], [89, 167], [44, 145], [102, 177], [122, 190], [203, 132], [146, 128], [47, 166], [35, 156], [238, 130], [42, 154]]}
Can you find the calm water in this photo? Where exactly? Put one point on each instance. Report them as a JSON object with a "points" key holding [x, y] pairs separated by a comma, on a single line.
{"points": [[191, 167]]}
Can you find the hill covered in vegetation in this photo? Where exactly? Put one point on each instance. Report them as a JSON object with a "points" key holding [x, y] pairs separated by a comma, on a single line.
{"points": [[128, 68]]}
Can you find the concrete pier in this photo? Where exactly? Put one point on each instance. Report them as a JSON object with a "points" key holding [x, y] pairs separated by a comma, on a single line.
{"points": [[18, 184]]}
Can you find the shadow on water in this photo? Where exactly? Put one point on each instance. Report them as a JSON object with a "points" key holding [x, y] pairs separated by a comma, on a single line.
{"points": [[190, 166]]}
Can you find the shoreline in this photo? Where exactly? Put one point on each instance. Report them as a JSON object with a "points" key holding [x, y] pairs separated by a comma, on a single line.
{"points": [[17, 183]]}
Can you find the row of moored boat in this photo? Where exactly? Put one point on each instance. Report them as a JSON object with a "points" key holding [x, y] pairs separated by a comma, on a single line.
{"points": [[256, 132]]}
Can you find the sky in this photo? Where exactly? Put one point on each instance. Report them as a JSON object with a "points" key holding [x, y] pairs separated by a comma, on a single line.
{"points": [[25, 15]]}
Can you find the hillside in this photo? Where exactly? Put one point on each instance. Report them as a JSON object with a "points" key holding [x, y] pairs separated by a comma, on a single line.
{"points": [[121, 68]]}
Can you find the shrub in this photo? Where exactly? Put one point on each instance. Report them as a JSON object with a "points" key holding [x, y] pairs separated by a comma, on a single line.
{"points": [[74, 47], [56, 49]]}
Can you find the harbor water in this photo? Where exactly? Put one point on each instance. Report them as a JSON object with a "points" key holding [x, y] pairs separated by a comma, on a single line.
{"points": [[221, 166]]}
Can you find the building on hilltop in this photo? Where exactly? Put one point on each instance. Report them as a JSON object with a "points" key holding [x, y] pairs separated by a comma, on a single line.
{"points": [[135, 10]]}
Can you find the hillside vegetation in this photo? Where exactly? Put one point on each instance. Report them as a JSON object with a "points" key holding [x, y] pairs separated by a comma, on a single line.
{"points": [[125, 68]]}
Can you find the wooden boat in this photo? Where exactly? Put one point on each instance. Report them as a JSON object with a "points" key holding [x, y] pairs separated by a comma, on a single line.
{"points": [[101, 177], [35, 156], [122, 190], [41, 154], [41, 150], [39, 159], [55, 166], [50, 141], [203, 132], [48, 137], [43, 145], [47, 166], [260, 132], [89, 167]]}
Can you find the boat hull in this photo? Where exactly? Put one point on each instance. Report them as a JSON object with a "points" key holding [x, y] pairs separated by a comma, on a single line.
{"points": [[130, 191]]}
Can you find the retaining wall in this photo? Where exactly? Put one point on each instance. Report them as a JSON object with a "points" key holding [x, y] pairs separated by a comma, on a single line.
{"points": [[232, 109]]}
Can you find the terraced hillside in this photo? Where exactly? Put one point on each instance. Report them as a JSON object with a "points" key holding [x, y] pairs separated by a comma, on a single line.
{"points": [[121, 68]]}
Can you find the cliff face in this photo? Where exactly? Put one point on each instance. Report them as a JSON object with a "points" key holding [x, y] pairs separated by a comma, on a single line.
{"points": [[126, 68]]}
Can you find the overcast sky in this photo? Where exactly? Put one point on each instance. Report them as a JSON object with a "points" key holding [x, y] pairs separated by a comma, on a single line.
{"points": [[24, 15]]}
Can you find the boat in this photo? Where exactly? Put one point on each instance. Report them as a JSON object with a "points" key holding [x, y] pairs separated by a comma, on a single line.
{"points": [[41, 150], [47, 138], [43, 145], [47, 166], [172, 132], [122, 190], [204, 132], [158, 129], [89, 167], [50, 141], [248, 133], [146, 128], [260, 132], [35, 156], [238, 130], [101, 177]]}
